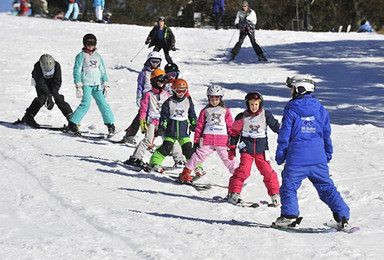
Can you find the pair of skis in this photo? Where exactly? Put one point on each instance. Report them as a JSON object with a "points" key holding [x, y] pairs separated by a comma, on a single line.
{"points": [[330, 227]]}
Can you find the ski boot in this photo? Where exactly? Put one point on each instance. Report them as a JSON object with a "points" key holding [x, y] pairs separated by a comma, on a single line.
{"points": [[128, 139], [179, 164], [287, 221], [157, 168], [73, 128], [135, 162], [185, 176], [276, 200], [262, 57], [111, 129], [234, 198], [199, 171], [29, 120], [344, 225]]}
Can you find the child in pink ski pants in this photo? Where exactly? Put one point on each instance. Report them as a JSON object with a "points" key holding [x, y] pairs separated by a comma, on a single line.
{"points": [[212, 132]]}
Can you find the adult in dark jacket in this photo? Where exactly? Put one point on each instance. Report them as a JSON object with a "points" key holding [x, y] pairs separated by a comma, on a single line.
{"points": [[162, 37], [46, 77], [218, 10], [304, 144]]}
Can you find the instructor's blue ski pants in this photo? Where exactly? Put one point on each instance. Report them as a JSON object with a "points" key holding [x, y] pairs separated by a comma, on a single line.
{"points": [[318, 174]]}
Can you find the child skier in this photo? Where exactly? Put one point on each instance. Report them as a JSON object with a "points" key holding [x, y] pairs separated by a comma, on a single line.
{"points": [[213, 127], [304, 143], [177, 119], [250, 127], [46, 77], [143, 85], [149, 117], [90, 77]]}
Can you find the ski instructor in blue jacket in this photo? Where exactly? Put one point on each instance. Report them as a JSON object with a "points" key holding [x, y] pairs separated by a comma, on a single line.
{"points": [[304, 144]]}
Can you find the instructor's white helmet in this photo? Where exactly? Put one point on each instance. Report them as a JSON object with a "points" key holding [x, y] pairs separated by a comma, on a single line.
{"points": [[303, 83], [215, 90]]}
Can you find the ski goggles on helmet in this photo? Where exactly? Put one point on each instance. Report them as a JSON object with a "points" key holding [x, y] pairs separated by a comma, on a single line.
{"points": [[172, 75], [180, 90], [90, 43], [161, 78], [290, 82], [48, 74], [154, 62]]}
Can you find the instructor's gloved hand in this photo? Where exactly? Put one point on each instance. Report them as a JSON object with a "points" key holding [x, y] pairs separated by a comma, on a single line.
{"points": [[192, 128], [173, 48], [79, 90], [147, 40], [49, 102], [106, 89], [231, 152], [237, 26], [143, 125]]}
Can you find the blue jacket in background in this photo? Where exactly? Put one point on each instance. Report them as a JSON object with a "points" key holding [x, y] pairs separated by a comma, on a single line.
{"points": [[218, 6], [305, 133]]}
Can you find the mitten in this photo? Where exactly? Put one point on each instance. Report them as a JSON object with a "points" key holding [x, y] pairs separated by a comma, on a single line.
{"points": [[192, 128], [237, 26], [49, 102], [143, 125], [160, 131], [79, 90], [147, 40], [231, 152], [173, 48], [106, 89], [138, 99]]}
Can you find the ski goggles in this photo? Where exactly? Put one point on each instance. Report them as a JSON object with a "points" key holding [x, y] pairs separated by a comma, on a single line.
{"points": [[172, 75], [90, 43], [48, 74], [180, 90], [154, 61], [161, 78], [293, 82]]}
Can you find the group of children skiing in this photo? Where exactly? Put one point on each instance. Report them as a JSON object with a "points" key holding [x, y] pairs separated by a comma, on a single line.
{"points": [[166, 110]]}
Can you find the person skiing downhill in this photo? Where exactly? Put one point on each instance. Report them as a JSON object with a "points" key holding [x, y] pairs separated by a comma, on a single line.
{"points": [[162, 37], [250, 127], [211, 134], [246, 21], [90, 78], [46, 77], [305, 145]]}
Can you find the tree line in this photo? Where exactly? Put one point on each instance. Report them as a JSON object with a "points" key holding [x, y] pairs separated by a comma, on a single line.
{"points": [[315, 15]]}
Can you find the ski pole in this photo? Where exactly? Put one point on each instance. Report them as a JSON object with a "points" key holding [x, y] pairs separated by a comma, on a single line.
{"points": [[226, 50], [138, 53], [263, 49]]}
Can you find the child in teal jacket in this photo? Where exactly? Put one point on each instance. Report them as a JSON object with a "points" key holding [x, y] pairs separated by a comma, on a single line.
{"points": [[90, 78]]}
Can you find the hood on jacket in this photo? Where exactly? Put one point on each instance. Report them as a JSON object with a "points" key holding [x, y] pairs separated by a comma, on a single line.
{"points": [[307, 105]]}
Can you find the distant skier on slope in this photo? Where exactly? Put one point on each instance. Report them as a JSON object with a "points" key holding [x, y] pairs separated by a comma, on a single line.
{"points": [[46, 77], [162, 37], [246, 21]]}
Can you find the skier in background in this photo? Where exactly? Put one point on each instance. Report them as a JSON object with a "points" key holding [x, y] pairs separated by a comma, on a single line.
{"points": [[99, 8], [46, 77], [365, 26], [246, 21], [218, 10], [24, 9], [305, 145], [73, 8], [162, 37]]}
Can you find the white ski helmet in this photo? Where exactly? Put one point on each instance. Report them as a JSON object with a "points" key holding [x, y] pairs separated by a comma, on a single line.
{"points": [[303, 83], [154, 55], [215, 90]]}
